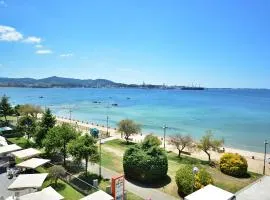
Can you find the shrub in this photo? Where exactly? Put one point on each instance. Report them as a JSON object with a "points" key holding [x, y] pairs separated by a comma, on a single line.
{"points": [[184, 179], [233, 165], [145, 165]]}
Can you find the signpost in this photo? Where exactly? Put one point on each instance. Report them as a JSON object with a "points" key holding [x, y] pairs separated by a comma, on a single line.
{"points": [[118, 187]]}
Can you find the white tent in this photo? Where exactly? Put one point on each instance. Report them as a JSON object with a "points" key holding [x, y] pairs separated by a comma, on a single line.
{"points": [[210, 192], [33, 163], [25, 181], [99, 195], [3, 141], [6, 128], [9, 148], [26, 153], [46, 194]]}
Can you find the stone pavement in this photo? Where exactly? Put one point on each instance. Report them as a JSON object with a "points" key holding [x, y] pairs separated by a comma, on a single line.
{"points": [[145, 193]]}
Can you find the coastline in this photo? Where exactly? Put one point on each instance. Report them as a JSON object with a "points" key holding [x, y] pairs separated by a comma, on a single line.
{"points": [[254, 165]]}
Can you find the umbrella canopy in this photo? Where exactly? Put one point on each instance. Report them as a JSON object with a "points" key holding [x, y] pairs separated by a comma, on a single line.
{"points": [[33, 163], [9, 148], [26, 153], [210, 192], [99, 195], [6, 128], [45, 194], [25, 181], [3, 141]]}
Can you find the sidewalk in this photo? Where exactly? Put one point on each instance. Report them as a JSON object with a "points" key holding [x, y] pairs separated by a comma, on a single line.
{"points": [[145, 193]]}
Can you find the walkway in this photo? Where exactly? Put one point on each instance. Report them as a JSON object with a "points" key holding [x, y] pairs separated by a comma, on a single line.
{"points": [[258, 190], [145, 193]]}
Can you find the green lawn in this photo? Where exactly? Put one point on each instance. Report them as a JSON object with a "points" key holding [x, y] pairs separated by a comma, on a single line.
{"points": [[64, 189], [114, 162], [20, 141]]}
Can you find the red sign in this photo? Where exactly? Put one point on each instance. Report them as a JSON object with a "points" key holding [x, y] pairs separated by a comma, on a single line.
{"points": [[118, 187]]}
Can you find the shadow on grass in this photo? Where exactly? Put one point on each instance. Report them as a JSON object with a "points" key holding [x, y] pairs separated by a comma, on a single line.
{"points": [[74, 167], [85, 182], [58, 186], [185, 159], [155, 184]]}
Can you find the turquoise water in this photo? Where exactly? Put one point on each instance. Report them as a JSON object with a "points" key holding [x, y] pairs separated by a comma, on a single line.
{"points": [[241, 117]]}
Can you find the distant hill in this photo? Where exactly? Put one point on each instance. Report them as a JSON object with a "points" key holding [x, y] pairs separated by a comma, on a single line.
{"points": [[55, 81]]}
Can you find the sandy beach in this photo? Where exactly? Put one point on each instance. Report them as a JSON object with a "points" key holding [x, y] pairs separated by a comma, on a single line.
{"points": [[254, 165]]}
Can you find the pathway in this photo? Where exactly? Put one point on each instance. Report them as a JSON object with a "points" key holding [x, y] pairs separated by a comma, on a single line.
{"points": [[145, 193]]}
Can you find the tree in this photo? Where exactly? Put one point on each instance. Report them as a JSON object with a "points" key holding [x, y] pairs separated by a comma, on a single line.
{"points": [[5, 108], [233, 165], [186, 183], [56, 172], [27, 125], [128, 128], [28, 109], [58, 138], [48, 121], [181, 142], [145, 165], [16, 111], [150, 141], [85, 148], [208, 142]]}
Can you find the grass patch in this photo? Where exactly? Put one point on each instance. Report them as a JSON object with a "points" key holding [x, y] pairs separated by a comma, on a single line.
{"points": [[111, 161], [64, 189], [21, 141], [221, 180]]}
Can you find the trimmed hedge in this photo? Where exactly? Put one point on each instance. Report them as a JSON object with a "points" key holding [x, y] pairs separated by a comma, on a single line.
{"points": [[184, 179], [145, 165], [233, 165]]}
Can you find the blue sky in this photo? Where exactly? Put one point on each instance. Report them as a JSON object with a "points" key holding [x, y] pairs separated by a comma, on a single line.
{"points": [[222, 43]]}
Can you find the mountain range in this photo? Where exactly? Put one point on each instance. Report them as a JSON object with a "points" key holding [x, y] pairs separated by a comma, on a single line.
{"points": [[55, 81]]}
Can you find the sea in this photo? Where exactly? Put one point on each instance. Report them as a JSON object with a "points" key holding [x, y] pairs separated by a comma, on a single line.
{"points": [[240, 116]]}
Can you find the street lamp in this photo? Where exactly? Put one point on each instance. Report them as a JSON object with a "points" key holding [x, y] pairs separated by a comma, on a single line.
{"points": [[265, 143], [195, 170], [164, 138], [107, 125], [100, 157]]}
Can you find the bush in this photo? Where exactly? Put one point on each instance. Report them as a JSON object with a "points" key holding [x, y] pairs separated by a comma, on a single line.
{"points": [[184, 180], [233, 165], [145, 165]]}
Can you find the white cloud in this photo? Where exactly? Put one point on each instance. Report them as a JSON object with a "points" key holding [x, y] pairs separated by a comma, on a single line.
{"points": [[44, 51], [38, 46], [3, 3], [9, 34], [66, 55], [32, 39]]}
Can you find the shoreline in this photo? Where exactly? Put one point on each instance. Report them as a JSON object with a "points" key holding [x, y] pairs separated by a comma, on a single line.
{"points": [[254, 165]]}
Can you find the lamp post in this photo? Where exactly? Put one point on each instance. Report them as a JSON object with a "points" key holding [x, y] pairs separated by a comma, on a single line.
{"points": [[107, 125], [164, 138], [100, 157], [195, 170], [265, 143]]}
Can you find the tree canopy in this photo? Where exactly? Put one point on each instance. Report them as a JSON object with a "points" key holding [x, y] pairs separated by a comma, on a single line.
{"points": [[150, 141], [128, 127], [56, 172], [27, 124], [47, 122], [208, 142], [58, 138], [85, 148], [5, 108], [181, 142], [28, 109]]}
